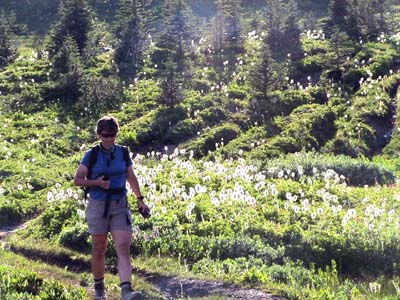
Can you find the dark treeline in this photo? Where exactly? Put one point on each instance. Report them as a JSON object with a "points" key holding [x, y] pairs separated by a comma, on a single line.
{"points": [[38, 15], [76, 37]]}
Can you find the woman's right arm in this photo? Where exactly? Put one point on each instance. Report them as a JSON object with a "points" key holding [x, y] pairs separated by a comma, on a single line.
{"points": [[81, 180]]}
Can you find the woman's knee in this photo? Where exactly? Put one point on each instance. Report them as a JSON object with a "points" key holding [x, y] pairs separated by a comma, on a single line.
{"points": [[99, 246], [99, 250], [122, 242], [123, 248]]}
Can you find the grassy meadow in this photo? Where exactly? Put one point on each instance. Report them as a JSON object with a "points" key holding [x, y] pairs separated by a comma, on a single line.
{"points": [[296, 193]]}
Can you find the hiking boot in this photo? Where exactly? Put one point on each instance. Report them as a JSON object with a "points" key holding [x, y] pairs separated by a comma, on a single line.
{"points": [[133, 296], [100, 291], [128, 294]]}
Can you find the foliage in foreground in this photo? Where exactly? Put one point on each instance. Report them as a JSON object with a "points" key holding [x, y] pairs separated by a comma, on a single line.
{"points": [[18, 284], [227, 219]]}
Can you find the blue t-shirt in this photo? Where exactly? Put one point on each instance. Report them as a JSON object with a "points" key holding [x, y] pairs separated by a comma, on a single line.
{"points": [[112, 165]]}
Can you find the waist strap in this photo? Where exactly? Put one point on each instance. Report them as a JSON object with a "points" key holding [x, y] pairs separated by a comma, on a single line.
{"points": [[110, 192], [115, 191]]}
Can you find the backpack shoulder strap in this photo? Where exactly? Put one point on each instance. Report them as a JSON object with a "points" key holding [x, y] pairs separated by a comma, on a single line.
{"points": [[92, 159], [125, 153]]}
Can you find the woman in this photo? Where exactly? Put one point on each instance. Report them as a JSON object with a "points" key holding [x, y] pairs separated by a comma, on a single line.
{"points": [[104, 170]]}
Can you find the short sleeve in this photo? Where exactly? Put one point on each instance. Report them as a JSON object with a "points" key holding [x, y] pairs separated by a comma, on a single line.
{"points": [[86, 158]]}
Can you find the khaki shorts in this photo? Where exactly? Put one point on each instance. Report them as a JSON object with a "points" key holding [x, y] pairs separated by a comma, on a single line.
{"points": [[119, 217]]}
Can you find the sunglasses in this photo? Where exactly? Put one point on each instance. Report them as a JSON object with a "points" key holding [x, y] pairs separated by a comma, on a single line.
{"points": [[108, 135]]}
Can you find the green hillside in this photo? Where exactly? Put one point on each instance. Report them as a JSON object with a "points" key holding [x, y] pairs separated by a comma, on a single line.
{"points": [[265, 136]]}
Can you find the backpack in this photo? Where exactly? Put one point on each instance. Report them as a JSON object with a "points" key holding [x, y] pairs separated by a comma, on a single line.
{"points": [[93, 160]]}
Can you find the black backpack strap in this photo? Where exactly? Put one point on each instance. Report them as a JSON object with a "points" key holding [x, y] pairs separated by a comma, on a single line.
{"points": [[92, 161], [125, 151]]}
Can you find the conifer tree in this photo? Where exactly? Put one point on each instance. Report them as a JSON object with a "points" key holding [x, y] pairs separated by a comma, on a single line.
{"points": [[358, 19], [262, 73], [68, 40], [229, 26], [283, 33], [68, 69], [339, 13], [173, 50], [262, 78], [74, 20], [291, 32], [368, 16], [176, 37], [7, 52], [227, 33], [171, 84], [130, 31], [341, 48], [383, 8], [354, 24], [378, 8], [274, 17]]}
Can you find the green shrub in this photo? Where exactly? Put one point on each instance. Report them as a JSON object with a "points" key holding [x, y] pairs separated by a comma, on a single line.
{"points": [[76, 238], [23, 284], [207, 142], [165, 119], [127, 136], [153, 128], [274, 148], [182, 131], [354, 138], [212, 116], [201, 85], [246, 142], [319, 94], [313, 64], [311, 126], [383, 62], [236, 92], [24, 281], [373, 103], [53, 219], [392, 148], [289, 272], [310, 66], [10, 214], [198, 102], [357, 172], [343, 145], [352, 77], [55, 290], [284, 102]]}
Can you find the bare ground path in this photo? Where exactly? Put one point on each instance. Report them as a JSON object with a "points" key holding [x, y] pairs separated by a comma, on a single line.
{"points": [[7, 230], [182, 288], [170, 287]]}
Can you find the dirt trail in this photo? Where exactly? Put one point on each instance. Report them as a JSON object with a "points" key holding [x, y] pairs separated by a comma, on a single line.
{"points": [[170, 287], [180, 288], [7, 230]]}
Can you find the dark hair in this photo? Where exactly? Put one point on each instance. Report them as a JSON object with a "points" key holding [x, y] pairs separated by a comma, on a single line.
{"points": [[107, 123]]}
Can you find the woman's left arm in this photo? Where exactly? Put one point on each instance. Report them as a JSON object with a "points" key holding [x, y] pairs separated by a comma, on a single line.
{"points": [[134, 184]]}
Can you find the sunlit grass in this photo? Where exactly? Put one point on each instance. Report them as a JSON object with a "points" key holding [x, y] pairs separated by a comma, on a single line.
{"points": [[13, 245]]}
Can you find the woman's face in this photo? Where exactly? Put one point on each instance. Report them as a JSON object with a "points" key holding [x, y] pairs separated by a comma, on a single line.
{"points": [[107, 139]]}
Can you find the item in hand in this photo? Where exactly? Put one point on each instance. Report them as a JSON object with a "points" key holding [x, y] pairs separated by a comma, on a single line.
{"points": [[144, 211]]}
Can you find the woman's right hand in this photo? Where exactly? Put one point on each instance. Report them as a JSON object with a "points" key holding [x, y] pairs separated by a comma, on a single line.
{"points": [[102, 183]]}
